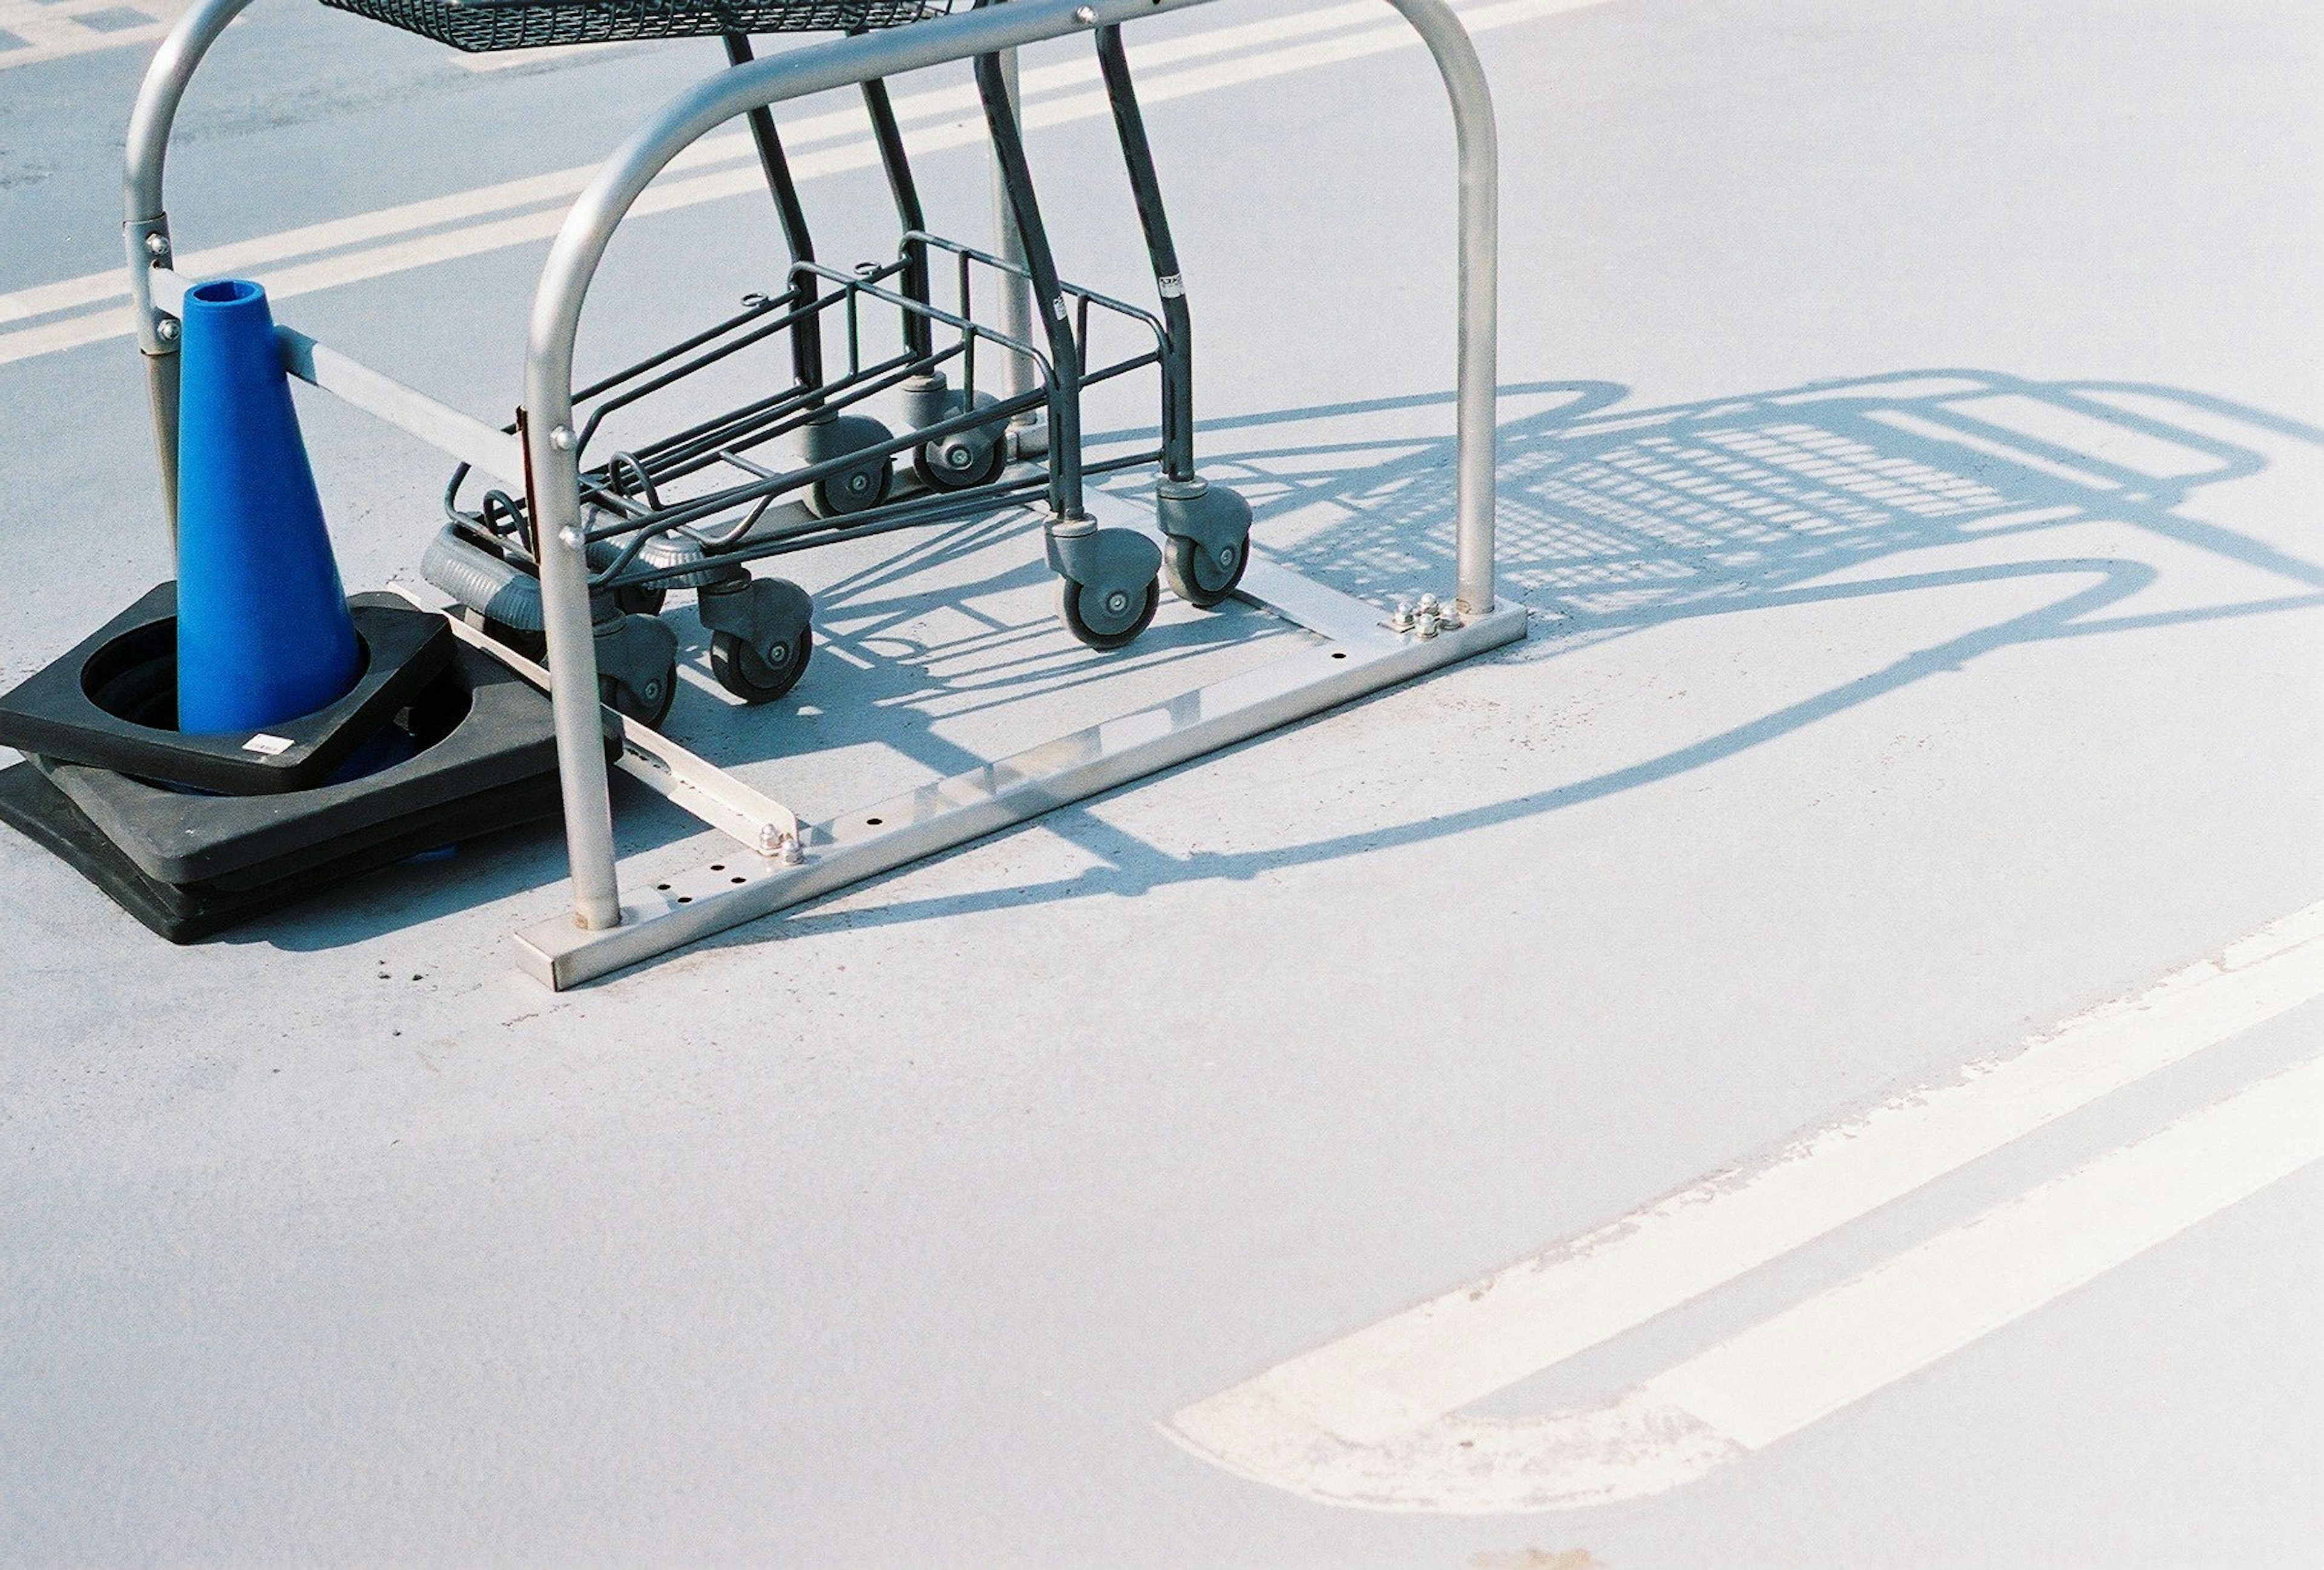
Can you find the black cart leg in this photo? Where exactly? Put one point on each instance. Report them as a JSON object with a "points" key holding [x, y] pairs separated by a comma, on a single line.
{"points": [[1178, 350], [918, 337], [1064, 355], [806, 335], [1207, 525], [1108, 590]]}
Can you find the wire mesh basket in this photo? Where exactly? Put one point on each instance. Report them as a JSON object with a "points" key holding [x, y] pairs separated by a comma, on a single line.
{"points": [[480, 27]]}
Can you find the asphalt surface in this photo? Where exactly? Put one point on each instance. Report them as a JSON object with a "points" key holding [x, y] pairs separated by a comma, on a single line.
{"points": [[1912, 439]]}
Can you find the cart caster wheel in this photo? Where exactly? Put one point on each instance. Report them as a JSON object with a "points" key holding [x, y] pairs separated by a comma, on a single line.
{"points": [[1202, 576], [855, 490], [850, 490], [641, 599], [649, 704], [961, 461], [751, 676], [1107, 618], [533, 646]]}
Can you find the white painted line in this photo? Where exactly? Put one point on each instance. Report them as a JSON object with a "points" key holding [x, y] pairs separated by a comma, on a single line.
{"points": [[1811, 1360], [1372, 1418], [45, 30], [418, 234], [728, 147]]}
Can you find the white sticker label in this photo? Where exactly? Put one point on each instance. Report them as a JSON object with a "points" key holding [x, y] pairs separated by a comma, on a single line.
{"points": [[267, 746], [1057, 308], [1171, 285]]}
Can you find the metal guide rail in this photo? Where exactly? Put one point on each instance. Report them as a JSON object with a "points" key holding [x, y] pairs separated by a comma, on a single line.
{"points": [[602, 536]]}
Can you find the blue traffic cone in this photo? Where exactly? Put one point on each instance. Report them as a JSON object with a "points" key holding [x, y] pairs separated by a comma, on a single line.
{"points": [[263, 634]]}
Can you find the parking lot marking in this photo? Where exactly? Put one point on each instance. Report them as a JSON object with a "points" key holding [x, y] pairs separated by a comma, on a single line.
{"points": [[1373, 1419], [494, 217], [32, 31]]}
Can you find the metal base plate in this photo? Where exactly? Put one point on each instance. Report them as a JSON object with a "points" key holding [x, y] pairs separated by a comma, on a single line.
{"points": [[1359, 654]]}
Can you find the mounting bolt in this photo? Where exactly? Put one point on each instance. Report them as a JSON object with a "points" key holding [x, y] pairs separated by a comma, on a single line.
{"points": [[573, 537], [1424, 620], [1401, 617], [157, 246], [793, 852], [561, 438], [1084, 15], [166, 329]]}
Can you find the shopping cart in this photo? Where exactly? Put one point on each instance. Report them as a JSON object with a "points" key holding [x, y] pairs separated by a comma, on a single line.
{"points": [[562, 539], [805, 463]]}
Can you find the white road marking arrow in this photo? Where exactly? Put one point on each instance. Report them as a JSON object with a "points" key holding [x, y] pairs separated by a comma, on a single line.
{"points": [[1374, 1419]]}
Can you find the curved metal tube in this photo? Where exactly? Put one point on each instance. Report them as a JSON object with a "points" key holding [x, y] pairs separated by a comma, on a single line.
{"points": [[1477, 429], [549, 442], [145, 224], [549, 451]]}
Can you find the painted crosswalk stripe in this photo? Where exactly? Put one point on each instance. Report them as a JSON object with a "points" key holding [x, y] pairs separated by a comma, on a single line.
{"points": [[1375, 1418]]}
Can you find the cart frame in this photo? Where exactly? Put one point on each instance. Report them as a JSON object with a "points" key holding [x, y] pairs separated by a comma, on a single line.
{"points": [[780, 862]]}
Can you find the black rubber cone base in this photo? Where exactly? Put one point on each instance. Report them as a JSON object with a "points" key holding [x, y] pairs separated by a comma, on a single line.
{"points": [[112, 702], [480, 726], [33, 805]]}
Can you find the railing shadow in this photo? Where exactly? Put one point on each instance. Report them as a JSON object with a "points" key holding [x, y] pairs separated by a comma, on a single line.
{"points": [[1610, 522]]}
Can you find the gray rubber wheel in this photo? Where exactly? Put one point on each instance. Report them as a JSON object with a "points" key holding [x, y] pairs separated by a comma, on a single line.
{"points": [[1107, 618], [855, 490], [1196, 574], [649, 707], [938, 476], [743, 671]]}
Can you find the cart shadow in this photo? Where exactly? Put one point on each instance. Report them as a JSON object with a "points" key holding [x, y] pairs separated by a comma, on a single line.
{"points": [[1609, 522]]}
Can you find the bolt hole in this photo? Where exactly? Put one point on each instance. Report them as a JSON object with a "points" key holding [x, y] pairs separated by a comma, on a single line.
{"points": [[1339, 654], [663, 887], [874, 822], [685, 899], [718, 866], [737, 880]]}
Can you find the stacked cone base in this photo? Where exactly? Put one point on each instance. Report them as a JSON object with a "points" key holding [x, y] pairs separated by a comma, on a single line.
{"points": [[111, 701], [189, 912], [190, 865]]}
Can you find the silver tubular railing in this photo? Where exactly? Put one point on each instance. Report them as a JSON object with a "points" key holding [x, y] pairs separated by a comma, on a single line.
{"points": [[550, 446], [1476, 423], [145, 224]]}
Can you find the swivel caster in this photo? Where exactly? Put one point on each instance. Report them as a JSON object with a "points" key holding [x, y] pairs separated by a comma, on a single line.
{"points": [[637, 668], [1107, 617], [752, 677], [648, 702], [1208, 530], [1204, 575], [1107, 587], [966, 458], [855, 489], [760, 637]]}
